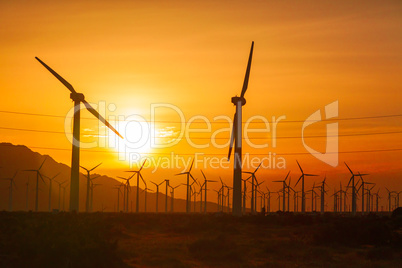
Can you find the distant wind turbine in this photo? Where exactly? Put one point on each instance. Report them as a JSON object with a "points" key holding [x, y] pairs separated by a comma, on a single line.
{"points": [[253, 187], [10, 193], [78, 98], [172, 194], [157, 194], [138, 172], [352, 179], [88, 184], [302, 181], [50, 189], [205, 190], [284, 191], [188, 197], [38, 174], [236, 138]]}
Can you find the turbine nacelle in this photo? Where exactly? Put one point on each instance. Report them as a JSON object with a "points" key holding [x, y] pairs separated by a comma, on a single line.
{"points": [[236, 99], [77, 96]]}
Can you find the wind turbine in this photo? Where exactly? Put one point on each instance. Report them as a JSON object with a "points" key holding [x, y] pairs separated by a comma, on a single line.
{"points": [[50, 189], [145, 190], [172, 193], [27, 195], [117, 187], [269, 200], [389, 198], [352, 179], [284, 191], [38, 174], [362, 187], [157, 193], [323, 192], [167, 194], [302, 180], [188, 197], [138, 172], [10, 195], [205, 189], [253, 182], [60, 184], [78, 98], [128, 189], [93, 185], [88, 184], [64, 194], [236, 138]]}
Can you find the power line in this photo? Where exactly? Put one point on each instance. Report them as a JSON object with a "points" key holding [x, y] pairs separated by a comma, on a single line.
{"points": [[206, 138], [279, 154], [179, 122]]}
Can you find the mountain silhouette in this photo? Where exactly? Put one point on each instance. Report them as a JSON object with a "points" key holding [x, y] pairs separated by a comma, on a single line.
{"points": [[19, 157]]}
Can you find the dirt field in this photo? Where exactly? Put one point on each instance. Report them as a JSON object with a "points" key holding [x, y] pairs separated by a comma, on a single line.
{"points": [[180, 240]]}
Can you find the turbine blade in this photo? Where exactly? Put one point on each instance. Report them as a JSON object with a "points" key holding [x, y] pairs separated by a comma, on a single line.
{"points": [[61, 79], [191, 165], [84, 168], [258, 167], [103, 120], [298, 180], [95, 167], [203, 174], [287, 176], [232, 136], [143, 165], [245, 83], [42, 163], [299, 166], [348, 168]]}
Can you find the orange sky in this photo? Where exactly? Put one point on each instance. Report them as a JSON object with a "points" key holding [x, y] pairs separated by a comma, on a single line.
{"points": [[193, 56]]}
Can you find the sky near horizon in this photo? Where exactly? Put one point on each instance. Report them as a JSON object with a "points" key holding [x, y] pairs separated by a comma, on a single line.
{"points": [[130, 55]]}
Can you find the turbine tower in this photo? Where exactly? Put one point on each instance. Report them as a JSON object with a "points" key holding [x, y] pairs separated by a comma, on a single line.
{"points": [[205, 189], [284, 191], [75, 160], [236, 138]]}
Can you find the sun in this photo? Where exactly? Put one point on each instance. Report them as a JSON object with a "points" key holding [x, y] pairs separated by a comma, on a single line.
{"points": [[136, 143]]}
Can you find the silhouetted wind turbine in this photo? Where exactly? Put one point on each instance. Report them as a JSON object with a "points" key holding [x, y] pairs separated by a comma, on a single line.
{"points": [[75, 160], [253, 187], [362, 187], [323, 192], [50, 189], [188, 197], [302, 180], [38, 174], [157, 193], [27, 195], [205, 189], [60, 184], [284, 191], [138, 172], [167, 194], [352, 179], [118, 197], [88, 184], [10, 193], [236, 138], [172, 193]]}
